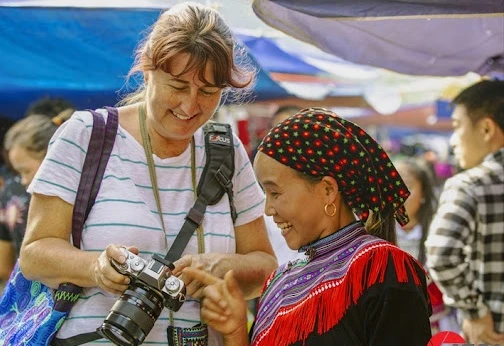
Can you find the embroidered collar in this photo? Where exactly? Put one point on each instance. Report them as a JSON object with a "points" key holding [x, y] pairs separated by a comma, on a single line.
{"points": [[335, 241]]}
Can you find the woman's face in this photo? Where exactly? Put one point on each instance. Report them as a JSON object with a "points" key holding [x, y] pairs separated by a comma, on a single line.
{"points": [[414, 201], [178, 106], [296, 207], [24, 163]]}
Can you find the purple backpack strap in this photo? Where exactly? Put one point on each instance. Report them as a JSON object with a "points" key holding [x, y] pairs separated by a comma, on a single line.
{"points": [[98, 153]]}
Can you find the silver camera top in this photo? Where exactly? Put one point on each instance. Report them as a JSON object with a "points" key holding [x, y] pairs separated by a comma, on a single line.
{"points": [[131, 266]]}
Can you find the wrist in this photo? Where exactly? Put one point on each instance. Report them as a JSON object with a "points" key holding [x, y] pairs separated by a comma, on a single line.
{"points": [[237, 338]]}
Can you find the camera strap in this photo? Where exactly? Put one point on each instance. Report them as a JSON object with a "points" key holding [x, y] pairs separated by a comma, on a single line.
{"points": [[215, 181]]}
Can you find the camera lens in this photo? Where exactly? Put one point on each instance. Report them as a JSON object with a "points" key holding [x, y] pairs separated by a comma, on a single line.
{"points": [[133, 315]]}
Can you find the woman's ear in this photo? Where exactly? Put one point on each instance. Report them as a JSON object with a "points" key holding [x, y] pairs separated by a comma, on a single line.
{"points": [[331, 189]]}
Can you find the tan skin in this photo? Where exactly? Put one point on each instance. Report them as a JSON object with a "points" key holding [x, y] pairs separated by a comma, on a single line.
{"points": [[7, 259], [223, 307], [414, 201], [176, 107], [471, 142]]}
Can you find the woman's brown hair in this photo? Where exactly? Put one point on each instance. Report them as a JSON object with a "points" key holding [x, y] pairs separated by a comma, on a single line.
{"points": [[201, 32], [34, 132]]}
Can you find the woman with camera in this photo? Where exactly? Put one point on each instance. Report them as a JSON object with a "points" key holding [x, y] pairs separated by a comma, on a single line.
{"points": [[187, 63]]}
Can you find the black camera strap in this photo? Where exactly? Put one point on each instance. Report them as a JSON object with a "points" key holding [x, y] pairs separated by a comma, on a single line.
{"points": [[215, 181]]}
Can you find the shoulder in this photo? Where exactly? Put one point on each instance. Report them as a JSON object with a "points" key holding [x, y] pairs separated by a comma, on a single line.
{"points": [[484, 173], [376, 260]]}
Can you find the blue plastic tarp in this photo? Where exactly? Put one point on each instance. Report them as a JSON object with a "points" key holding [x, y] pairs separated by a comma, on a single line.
{"points": [[81, 54]]}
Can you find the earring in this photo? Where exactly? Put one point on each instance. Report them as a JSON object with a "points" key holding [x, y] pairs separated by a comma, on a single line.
{"points": [[326, 207]]}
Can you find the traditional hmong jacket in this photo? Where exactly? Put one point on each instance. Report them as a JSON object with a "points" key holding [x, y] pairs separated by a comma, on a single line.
{"points": [[352, 289]]}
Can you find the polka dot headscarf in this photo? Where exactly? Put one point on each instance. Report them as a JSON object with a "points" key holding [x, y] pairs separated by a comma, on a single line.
{"points": [[317, 142]]}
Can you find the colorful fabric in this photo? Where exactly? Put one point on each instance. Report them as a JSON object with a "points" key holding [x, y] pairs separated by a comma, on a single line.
{"points": [[26, 312], [319, 143], [313, 294]]}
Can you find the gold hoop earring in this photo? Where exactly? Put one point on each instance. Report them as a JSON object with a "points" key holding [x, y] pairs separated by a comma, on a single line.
{"points": [[327, 207]]}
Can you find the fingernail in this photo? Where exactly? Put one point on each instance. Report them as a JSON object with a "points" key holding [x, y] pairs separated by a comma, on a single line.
{"points": [[122, 259]]}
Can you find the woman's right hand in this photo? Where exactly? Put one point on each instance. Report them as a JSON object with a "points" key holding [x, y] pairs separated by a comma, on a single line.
{"points": [[105, 276], [223, 306]]}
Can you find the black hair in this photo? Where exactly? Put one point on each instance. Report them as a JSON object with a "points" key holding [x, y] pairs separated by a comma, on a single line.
{"points": [[485, 98]]}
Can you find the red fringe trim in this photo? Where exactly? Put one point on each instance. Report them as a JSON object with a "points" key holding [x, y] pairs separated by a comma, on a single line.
{"points": [[329, 301]]}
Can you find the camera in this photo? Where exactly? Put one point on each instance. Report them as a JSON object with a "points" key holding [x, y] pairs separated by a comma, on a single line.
{"points": [[152, 287]]}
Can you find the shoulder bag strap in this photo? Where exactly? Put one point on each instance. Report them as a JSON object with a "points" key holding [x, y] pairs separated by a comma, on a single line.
{"points": [[99, 150]]}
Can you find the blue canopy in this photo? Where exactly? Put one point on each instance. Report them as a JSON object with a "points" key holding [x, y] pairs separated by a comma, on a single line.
{"points": [[80, 54], [422, 37]]}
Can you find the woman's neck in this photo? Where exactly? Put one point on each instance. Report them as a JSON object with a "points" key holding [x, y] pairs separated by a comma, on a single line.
{"points": [[165, 148]]}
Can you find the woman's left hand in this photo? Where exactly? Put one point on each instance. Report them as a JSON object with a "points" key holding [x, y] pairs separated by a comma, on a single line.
{"points": [[204, 262], [223, 307]]}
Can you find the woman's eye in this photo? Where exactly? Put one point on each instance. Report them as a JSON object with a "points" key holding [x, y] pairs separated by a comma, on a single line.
{"points": [[177, 88], [208, 92]]}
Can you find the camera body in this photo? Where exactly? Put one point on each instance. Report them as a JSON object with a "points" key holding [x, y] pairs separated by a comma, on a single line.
{"points": [[155, 274], [152, 288]]}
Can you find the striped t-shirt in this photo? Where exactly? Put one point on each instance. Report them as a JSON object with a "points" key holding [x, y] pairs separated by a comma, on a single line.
{"points": [[125, 210]]}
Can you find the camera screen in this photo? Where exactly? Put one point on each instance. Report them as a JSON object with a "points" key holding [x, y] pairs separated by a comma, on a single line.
{"points": [[156, 266]]}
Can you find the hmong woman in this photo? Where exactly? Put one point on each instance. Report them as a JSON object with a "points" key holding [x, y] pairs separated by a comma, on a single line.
{"points": [[335, 195]]}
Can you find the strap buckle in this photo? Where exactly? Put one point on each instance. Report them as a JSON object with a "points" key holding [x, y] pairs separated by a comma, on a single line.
{"points": [[223, 179], [195, 216]]}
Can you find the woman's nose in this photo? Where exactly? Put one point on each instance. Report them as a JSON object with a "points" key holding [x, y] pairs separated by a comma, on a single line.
{"points": [[190, 105], [268, 209]]}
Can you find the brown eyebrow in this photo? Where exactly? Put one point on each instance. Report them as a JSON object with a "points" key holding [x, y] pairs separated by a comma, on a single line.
{"points": [[180, 80], [269, 183], [187, 82]]}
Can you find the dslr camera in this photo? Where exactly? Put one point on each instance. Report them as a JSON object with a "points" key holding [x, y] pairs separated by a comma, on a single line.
{"points": [[152, 287]]}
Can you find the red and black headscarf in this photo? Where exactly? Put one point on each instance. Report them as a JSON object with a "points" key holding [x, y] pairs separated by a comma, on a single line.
{"points": [[317, 142]]}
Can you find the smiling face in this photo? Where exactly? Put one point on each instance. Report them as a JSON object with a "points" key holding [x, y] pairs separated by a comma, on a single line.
{"points": [[178, 104], [297, 207], [468, 139]]}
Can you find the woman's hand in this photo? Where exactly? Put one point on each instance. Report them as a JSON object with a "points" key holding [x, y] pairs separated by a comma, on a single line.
{"points": [[205, 262], [105, 276], [223, 307]]}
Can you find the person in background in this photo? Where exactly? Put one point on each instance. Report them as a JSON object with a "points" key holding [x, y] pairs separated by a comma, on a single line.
{"points": [[335, 195], [465, 245], [187, 62], [282, 113], [411, 237], [26, 144], [49, 106]]}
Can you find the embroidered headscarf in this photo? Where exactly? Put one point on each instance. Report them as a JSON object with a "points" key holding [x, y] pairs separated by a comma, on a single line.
{"points": [[317, 142]]}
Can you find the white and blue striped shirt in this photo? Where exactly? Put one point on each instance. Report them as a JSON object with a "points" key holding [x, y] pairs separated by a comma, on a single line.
{"points": [[125, 210]]}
